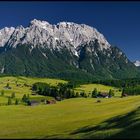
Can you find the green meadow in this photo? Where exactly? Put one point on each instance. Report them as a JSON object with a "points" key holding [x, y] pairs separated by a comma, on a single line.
{"points": [[18, 86], [70, 118], [88, 88]]}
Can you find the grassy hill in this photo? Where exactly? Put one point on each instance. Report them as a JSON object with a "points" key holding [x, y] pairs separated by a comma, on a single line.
{"points": [[88, 88], [70, 118], [21, 86]]}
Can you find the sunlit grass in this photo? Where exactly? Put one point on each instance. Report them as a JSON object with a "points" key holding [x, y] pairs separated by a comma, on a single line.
{"points": [[61, 119]]}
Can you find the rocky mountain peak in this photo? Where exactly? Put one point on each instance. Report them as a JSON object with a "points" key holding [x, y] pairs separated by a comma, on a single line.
{"points": [[41, 33]]}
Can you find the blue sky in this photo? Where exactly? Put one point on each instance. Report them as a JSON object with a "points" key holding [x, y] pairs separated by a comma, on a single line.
{"points": [[118, 21]]}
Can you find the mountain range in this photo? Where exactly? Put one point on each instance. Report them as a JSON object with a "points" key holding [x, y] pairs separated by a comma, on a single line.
{"points": [[66, 50]]}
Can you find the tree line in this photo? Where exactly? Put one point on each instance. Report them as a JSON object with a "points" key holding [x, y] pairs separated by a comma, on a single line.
{"points": [[131, 90], [64, 91], [61, 90], [120, 83]]}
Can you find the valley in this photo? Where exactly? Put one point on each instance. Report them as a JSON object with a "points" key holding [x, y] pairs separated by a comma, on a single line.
{"points": [[66, 81], [81, 117], [69, 70]]}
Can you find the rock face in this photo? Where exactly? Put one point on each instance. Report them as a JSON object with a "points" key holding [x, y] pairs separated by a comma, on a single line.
{"points": [[5, 35], [53, 36], [65, 50]]}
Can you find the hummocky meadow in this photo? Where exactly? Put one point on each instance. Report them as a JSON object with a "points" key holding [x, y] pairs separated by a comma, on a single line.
{"points": [[92, 110]]}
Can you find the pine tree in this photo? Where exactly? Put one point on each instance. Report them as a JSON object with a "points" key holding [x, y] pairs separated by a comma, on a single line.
{"points": [[16, 102], [77, 94], [24, 98], [111, 93], [28, 102], [9, 101], [82, 94], [123, 91], [73, 94], [13, 95], [85, 95], [94, 93], [7, 85]]}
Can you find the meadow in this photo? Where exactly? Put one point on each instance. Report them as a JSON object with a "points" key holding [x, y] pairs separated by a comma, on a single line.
{"points": [[88, 88], [71, 118], [22, 85]]}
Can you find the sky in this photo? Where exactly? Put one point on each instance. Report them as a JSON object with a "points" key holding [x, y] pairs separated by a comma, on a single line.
{"points": [[119, 22]]}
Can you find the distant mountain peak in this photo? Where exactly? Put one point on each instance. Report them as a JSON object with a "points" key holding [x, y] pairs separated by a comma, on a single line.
{"points": [[137, 63]]}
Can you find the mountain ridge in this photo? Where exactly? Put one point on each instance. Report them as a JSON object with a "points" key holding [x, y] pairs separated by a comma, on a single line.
{"points": [[61, 50]]}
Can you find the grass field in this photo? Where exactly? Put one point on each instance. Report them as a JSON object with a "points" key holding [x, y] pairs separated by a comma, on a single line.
{"points": [[70, 118], [21, 89], [88, 88]]}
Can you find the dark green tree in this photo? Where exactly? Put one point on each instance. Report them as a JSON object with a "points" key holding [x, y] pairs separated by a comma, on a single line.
{"points": [[94, 93], [82, 94], [24, 98], [28, 102], [72, 94], [7, 85], [77, 94], [16, 102], [9, 101], [85, 95], [111, 93], [13, 95], [123, 91]]}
